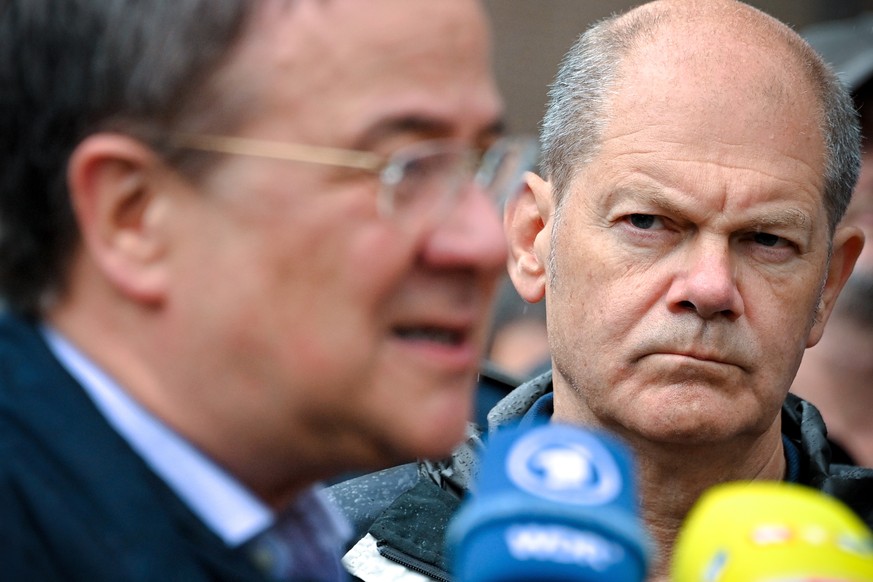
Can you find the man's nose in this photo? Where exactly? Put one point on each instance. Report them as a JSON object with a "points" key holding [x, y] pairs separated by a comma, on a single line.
{"points": [[470, 236], [706, 282]]}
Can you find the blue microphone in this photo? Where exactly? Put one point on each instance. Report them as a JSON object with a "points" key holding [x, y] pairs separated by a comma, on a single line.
{"points": [[551, 503]]}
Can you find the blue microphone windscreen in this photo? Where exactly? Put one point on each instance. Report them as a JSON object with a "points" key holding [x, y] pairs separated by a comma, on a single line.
{"points": [[552, 503]]}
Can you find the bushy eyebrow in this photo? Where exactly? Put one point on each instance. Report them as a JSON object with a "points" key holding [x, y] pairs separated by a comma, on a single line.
{"points": [[647, 194], [785, 218]]}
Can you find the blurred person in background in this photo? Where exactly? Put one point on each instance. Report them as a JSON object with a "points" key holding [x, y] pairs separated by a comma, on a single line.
{"points": [[518, 343], [517, 349], [245, 245], [837, 374]]}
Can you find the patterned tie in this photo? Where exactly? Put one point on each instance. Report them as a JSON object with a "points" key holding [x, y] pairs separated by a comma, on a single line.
{"points": [[304, 543]]}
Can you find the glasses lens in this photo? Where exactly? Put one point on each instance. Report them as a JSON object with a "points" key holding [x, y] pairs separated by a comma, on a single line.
{"points": [[424, 181]]}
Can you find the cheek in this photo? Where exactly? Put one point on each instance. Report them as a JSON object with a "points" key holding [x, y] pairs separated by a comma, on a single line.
{"points": [[379, 259], [598, 299], [778, 319], [784, 336], [781, 309], [307, 296], [334, 256], [416, 413], [338, 291]]}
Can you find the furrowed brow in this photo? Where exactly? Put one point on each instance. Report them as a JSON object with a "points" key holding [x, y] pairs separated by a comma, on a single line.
{"points": [[648, 195]]}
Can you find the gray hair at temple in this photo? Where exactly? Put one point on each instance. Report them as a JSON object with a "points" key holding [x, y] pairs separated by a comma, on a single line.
{"points": [[71, 68], [578, 104]]}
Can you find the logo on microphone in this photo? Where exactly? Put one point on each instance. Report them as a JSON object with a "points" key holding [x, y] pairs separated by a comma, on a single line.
{"points": [[567, 465], [564, 545]]}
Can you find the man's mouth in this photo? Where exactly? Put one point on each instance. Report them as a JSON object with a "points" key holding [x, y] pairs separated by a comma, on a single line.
{"points": [[704, 358], [440, 335]]}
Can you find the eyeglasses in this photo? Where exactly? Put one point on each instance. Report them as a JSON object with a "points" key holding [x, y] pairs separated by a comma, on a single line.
{"points": [[424, 179]]}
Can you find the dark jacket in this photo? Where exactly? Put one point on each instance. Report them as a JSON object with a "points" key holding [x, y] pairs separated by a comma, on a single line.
{"points": [[76, 503], [405, 523]]}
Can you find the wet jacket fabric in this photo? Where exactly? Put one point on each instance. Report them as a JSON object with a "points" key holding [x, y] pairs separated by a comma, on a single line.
{"points": [[401, 514]]}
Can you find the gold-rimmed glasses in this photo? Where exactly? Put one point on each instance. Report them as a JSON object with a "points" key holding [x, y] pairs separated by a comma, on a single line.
{"points": [[424, 178]]}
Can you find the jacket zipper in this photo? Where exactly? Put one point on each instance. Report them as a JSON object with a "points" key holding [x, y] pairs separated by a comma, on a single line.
{"points": [[413, 564]]}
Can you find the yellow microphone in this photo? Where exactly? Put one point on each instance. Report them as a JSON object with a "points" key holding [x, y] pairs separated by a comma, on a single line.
{"points": [[771, 532]]}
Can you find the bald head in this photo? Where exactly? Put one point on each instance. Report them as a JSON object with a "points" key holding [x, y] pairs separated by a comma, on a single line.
{"points": [[701, 15], [706, 58], [724, 43], [712, 38]]}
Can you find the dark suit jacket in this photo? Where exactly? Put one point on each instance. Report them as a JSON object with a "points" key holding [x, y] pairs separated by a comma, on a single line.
{"points": [[76, 503]]}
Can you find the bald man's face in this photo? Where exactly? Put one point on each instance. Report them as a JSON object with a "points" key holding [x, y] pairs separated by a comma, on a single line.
{"points": [[689, 256]]}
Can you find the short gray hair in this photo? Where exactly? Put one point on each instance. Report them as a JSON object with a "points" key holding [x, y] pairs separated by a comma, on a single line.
{"points": [[577, 111]]}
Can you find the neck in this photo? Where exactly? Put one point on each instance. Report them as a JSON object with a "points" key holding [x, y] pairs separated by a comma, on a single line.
{"points": [[672, 478], [673, 472], [122, 343]]}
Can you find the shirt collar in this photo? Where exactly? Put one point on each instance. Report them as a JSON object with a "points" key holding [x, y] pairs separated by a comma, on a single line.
{"points": [[226, 506]]}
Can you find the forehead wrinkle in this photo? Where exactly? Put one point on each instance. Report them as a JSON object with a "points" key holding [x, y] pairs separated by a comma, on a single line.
{"points": [[780, 182], [656, 168], [667, 133], [660, 160]]}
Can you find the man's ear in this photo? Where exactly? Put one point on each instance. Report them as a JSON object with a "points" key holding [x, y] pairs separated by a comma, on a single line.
{"points": [[119, 208], [848, 243], [525, 223]]}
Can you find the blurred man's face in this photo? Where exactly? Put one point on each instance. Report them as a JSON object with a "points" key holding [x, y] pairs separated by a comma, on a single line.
{"points": [[688, 257], [312, 308]]}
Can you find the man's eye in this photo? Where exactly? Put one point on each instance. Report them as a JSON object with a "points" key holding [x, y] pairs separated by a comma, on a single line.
{"points": [[769, 240], [643, 221]]}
